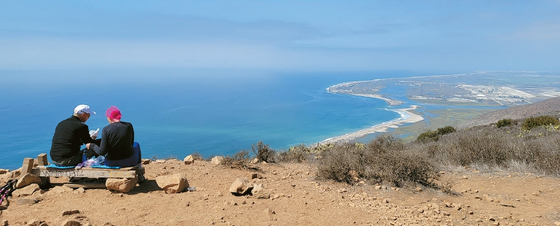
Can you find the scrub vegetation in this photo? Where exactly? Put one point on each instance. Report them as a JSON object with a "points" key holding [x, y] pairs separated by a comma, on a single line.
{"points": [[527, 145]]}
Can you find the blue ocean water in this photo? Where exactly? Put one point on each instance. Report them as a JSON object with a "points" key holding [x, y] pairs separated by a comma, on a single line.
{"points": [[176, 112]]}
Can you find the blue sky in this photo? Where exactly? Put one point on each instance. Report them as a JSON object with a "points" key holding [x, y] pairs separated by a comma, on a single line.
{"points": [[450, 36]]}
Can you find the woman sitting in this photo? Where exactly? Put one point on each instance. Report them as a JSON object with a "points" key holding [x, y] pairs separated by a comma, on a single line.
{"points": [[117, 142]]}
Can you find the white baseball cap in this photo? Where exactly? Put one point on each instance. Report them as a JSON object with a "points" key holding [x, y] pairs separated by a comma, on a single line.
{"points": [[82, 108]]}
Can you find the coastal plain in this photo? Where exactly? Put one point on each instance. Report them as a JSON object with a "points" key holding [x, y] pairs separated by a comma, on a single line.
{"points": [[430, 102]]}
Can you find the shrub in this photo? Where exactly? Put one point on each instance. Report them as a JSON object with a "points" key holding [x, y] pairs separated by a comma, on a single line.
{"points": [[263, 152], [428, 136], [239, 160], [383, 160], [197, 156], [504, 122], [434, 135], [446, 130], [295, 154], [480, 147], [533, 122]]}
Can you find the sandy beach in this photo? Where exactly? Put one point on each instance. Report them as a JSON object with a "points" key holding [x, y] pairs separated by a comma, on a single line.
{"points": [[406, 117]]}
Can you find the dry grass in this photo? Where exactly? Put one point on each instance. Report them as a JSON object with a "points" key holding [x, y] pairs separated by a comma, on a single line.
{"points": [[510, 148], [388, 160], [383, 160]]}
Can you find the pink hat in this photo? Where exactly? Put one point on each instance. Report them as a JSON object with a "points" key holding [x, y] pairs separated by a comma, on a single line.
{"points": [[113, 113]]}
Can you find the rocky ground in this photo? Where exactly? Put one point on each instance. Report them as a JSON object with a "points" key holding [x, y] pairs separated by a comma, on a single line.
{"points": [[296, 198]]}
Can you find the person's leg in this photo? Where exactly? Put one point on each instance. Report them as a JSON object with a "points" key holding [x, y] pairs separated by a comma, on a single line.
{"points": [[136, 148], [90, 154], [130, 161], [72, 161]]}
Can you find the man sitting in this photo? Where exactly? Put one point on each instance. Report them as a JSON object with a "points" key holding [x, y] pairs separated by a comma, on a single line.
{"points": [[69, 135]]}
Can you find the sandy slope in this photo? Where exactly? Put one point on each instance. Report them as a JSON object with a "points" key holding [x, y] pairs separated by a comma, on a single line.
{"points": [[298, 199]]}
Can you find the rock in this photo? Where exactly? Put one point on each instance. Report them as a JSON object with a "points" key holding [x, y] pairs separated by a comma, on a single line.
{"points": [[189, 160], [5, 223], [255, 161], [28, 179], [35, 222], [72, 222], [241, 186], [70, 212], [15, 173], [26, 191], [269, 211], [145, 161], [121, 185], [173, 183], [61, 189], [260, 192], [26, 201], [80, 191], [354, 175], [4, 171], [217, 160], [254, 175]]}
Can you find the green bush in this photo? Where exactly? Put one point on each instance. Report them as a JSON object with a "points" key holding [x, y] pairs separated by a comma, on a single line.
{"points": [[428, 136], [533, 122], [504, 122], [446, 130], [434, 135]]}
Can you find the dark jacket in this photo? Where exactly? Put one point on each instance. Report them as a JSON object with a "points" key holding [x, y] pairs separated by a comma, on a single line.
{"points": [[68, 137], [116, 141]]}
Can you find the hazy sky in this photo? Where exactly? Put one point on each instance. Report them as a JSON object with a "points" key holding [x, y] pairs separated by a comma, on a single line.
{"points": [[449, 35]]}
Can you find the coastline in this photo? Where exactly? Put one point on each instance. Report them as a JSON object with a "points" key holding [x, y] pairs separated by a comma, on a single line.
{"points": [[407, 116], [391, 102], [332, 89]]}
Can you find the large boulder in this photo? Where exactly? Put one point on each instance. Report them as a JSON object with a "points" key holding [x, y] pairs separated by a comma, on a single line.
{"points": [[241, 186], [173, 183], [121, 184], [28, 179]]}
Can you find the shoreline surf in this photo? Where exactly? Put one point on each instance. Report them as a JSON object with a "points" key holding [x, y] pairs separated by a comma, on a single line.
{"points": [[407, 116]]}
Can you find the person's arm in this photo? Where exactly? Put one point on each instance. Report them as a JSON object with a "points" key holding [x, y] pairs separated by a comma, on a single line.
{"points": [[102, 148], [84, 135]]}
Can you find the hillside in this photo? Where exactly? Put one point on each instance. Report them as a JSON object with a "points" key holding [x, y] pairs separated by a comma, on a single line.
{"points": [[545, 107], [297, 198]]}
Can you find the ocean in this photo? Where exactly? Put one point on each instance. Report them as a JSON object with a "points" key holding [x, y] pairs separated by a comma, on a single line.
{"points": [[179, 112]]}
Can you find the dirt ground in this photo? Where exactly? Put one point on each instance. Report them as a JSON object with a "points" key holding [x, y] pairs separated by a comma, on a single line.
{"points": [[297, 198]]}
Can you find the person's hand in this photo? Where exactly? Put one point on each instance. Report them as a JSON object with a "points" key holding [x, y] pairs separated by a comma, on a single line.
{"points": [[94, 137], [88, 144]]}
